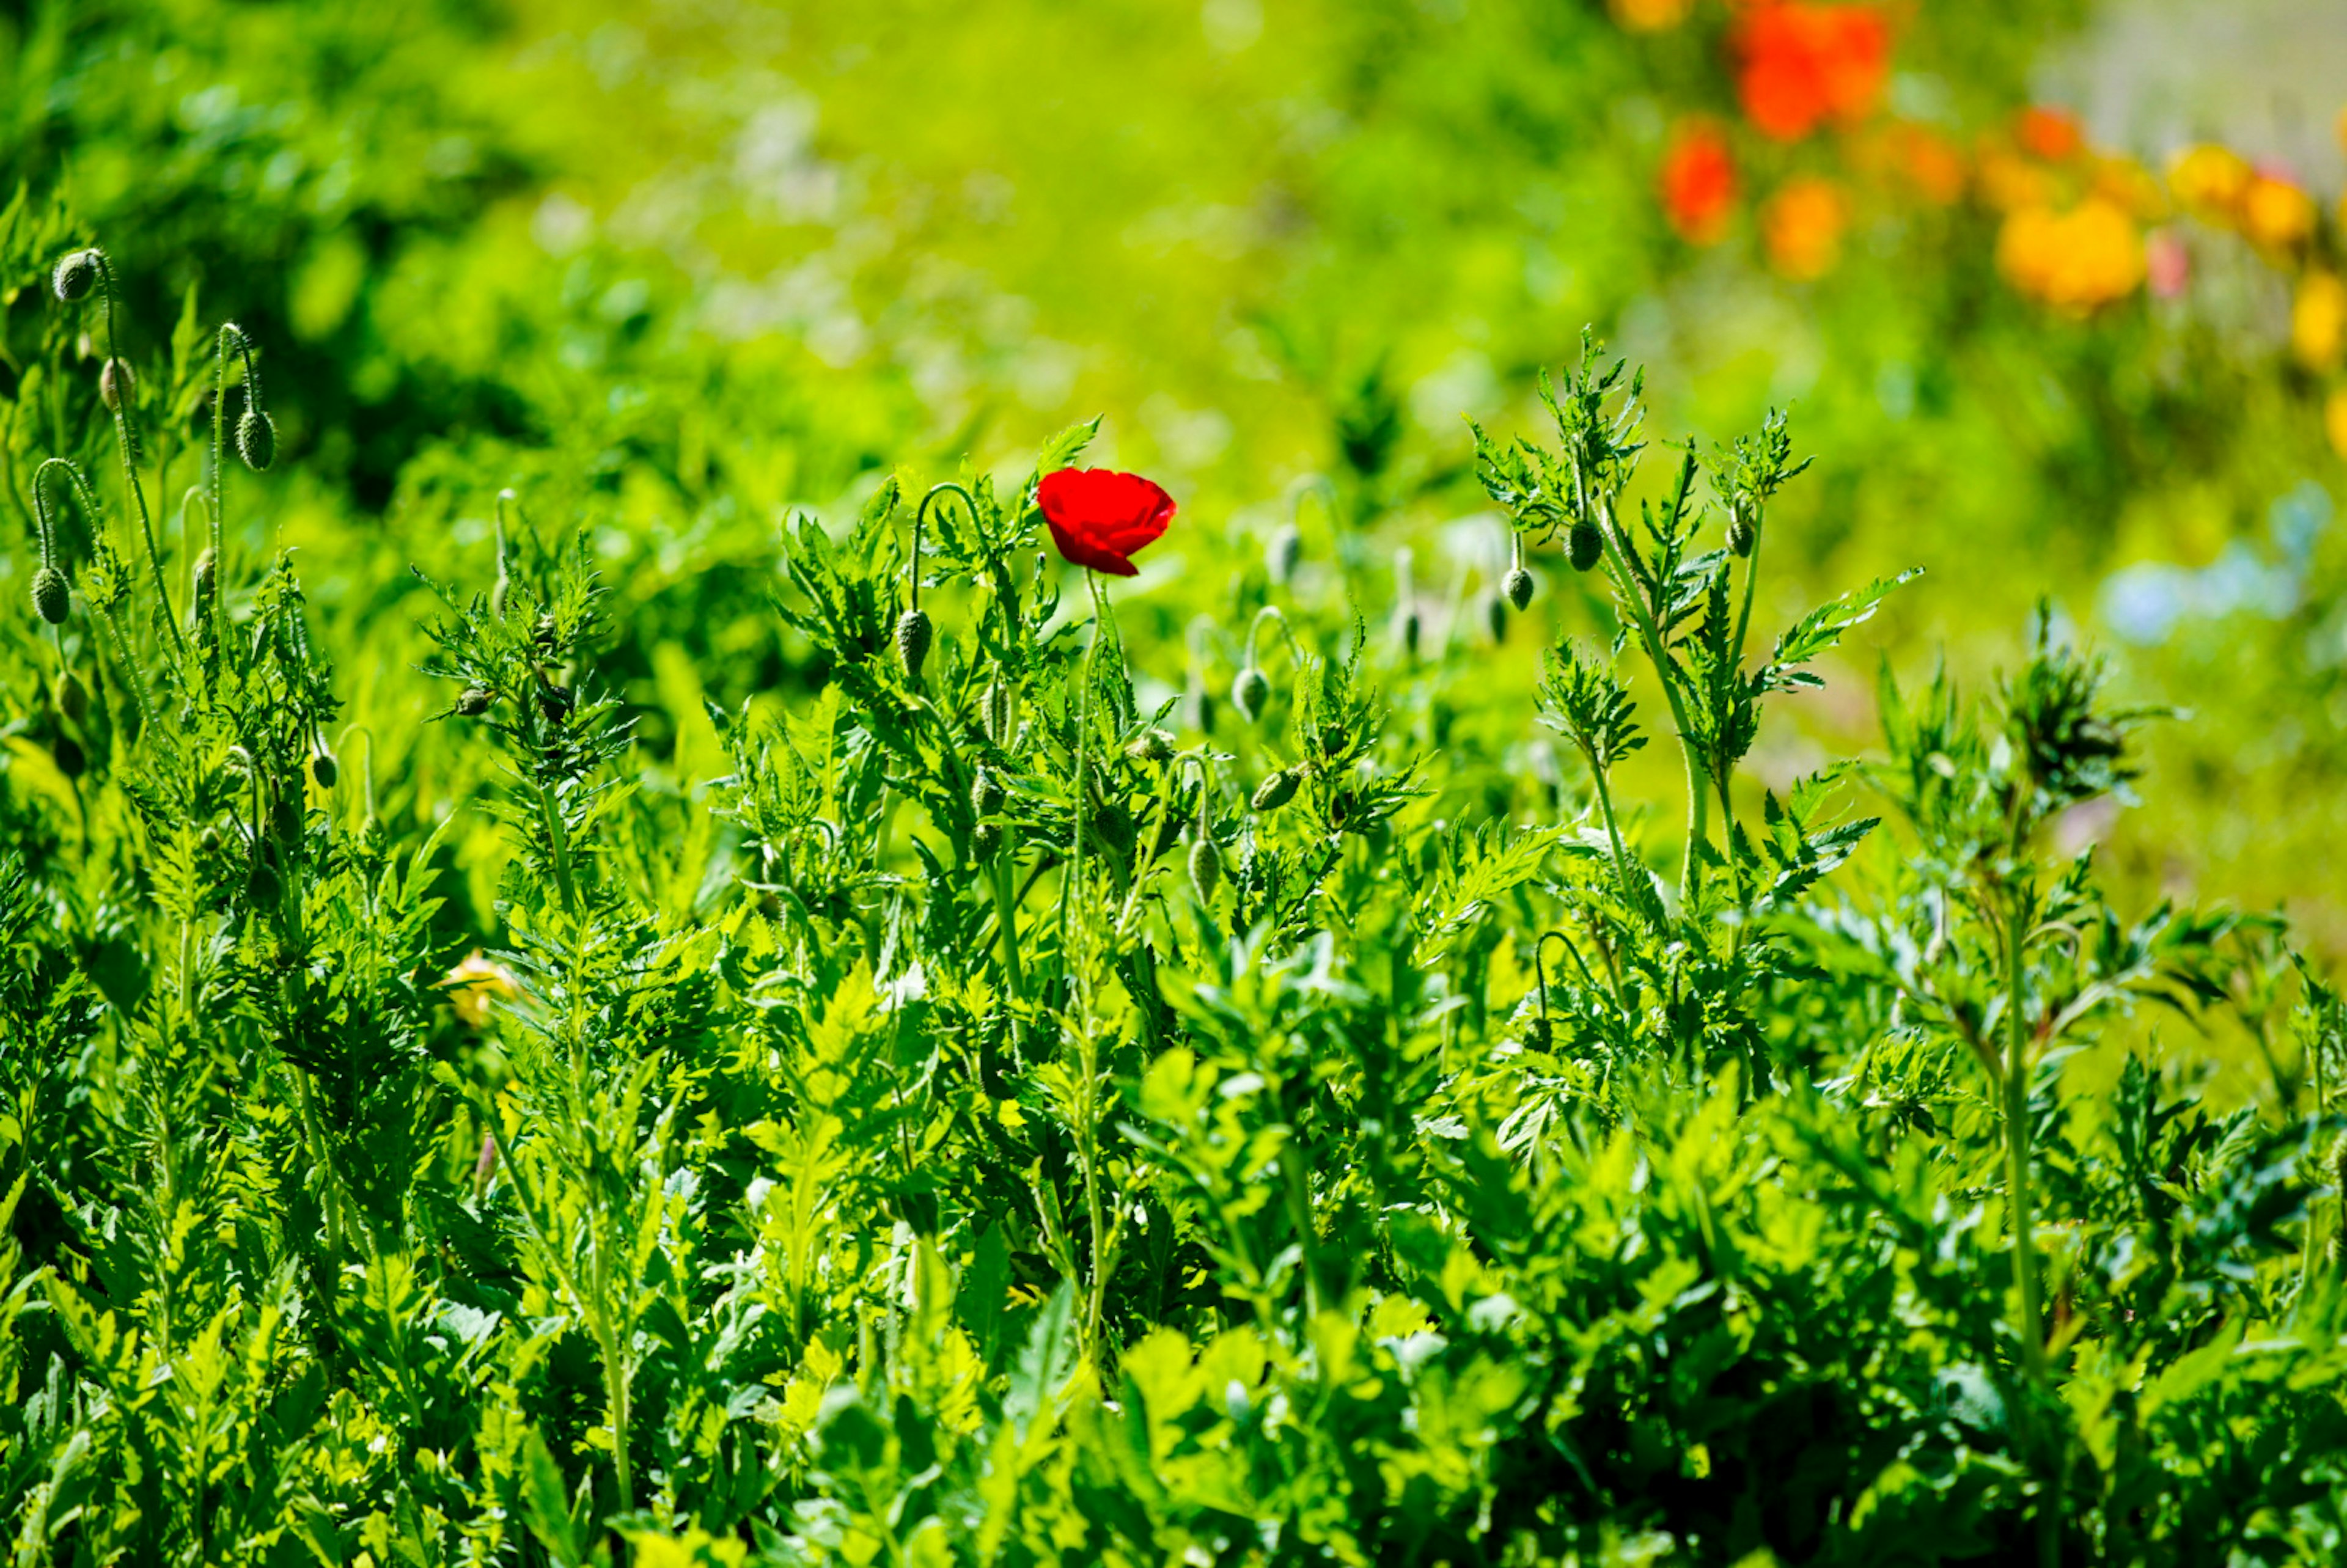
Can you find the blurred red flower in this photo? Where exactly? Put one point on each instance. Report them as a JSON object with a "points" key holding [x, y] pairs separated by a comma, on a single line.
{"points": [[1804, 64], [1100, 517], [1698, 183], [2052, 134]]}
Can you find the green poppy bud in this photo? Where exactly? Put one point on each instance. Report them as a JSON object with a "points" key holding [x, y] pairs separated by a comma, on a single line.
{"points": [[1276, 791], [324, 768], [986, 794], [1411, 632], [209, 840], [1518, 587], [286, 817], [115, 382], [474, 700], [1495, 616], [1250, 692], [72, 696], [68, 754], [52, 596], [1205, 867], [1152, 745], [1538, 1035], [256, 439], [262, 885], [555, 701], [75, 276], [1584, 545], [1743, 532], [913, 635], [207, 576], [997, 711], [1281, 556], [986, 842]]}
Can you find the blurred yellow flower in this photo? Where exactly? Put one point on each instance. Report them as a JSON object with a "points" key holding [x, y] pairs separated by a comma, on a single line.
{"points": [[2010, 182], [2077, 260], [1650, 16], [2275, 214], [1801, 226], [2334, 419], [2210, 181], [2317, 319], [477, 982]]}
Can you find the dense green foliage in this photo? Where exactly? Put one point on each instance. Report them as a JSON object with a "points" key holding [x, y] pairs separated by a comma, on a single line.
{"points": [[532, 1031]]}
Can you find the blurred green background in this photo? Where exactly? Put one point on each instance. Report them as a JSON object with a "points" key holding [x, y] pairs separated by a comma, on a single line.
{"points": [[674, 270]]}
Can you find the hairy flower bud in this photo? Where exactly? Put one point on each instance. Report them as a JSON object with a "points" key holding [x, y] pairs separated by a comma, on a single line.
{"points": [[1276, 791], [913, 634], [1205, 867], [474, 700], [256, 439], [262, 885], [72, 696], [1412, 629], [1538, 1034], [207, 576], [986, 841], [75, 276], [997, 711], [1280, 556], [115, 382], [52, 596], [1250, 692], [1518, 587], [1495, 616], [1152, 745], [1584, 545], [1743, 532], [68, 754], [324, 768], [986, 794]]}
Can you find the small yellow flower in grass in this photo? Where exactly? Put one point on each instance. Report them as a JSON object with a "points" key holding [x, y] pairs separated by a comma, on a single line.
{"points": [[2077, 260], [2334, 419], [2210, 182], [2276, 215], [2317, 319], [477, 982]]}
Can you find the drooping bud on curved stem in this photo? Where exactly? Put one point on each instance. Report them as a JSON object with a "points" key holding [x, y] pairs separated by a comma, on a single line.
{"points": [[1518, 584], [1252, 690], [115, 390]]}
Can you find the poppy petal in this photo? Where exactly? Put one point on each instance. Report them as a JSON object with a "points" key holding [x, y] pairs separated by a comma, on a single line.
{"points": [[1100, 516]]}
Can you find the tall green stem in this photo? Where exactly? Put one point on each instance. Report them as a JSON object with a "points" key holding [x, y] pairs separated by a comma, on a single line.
{"points": [[126, 434]]}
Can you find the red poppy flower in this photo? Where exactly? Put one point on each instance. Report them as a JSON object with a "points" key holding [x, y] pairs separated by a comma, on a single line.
{"points": [[1803, 63], [1099, 517], [1698, 184]]}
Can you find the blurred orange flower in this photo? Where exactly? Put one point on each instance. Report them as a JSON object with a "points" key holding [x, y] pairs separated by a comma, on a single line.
{"points": [[2275, 214], [1804, 64], [1698, 183], [2051, 134], [1933, 166], [2075, 261], [2210, 181], [1650, 16], [1801, 227], [2334, 419], [2317, 319]]}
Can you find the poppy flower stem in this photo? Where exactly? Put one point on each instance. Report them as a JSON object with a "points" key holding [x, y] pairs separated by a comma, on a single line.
{"points": [[921, 515]]}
